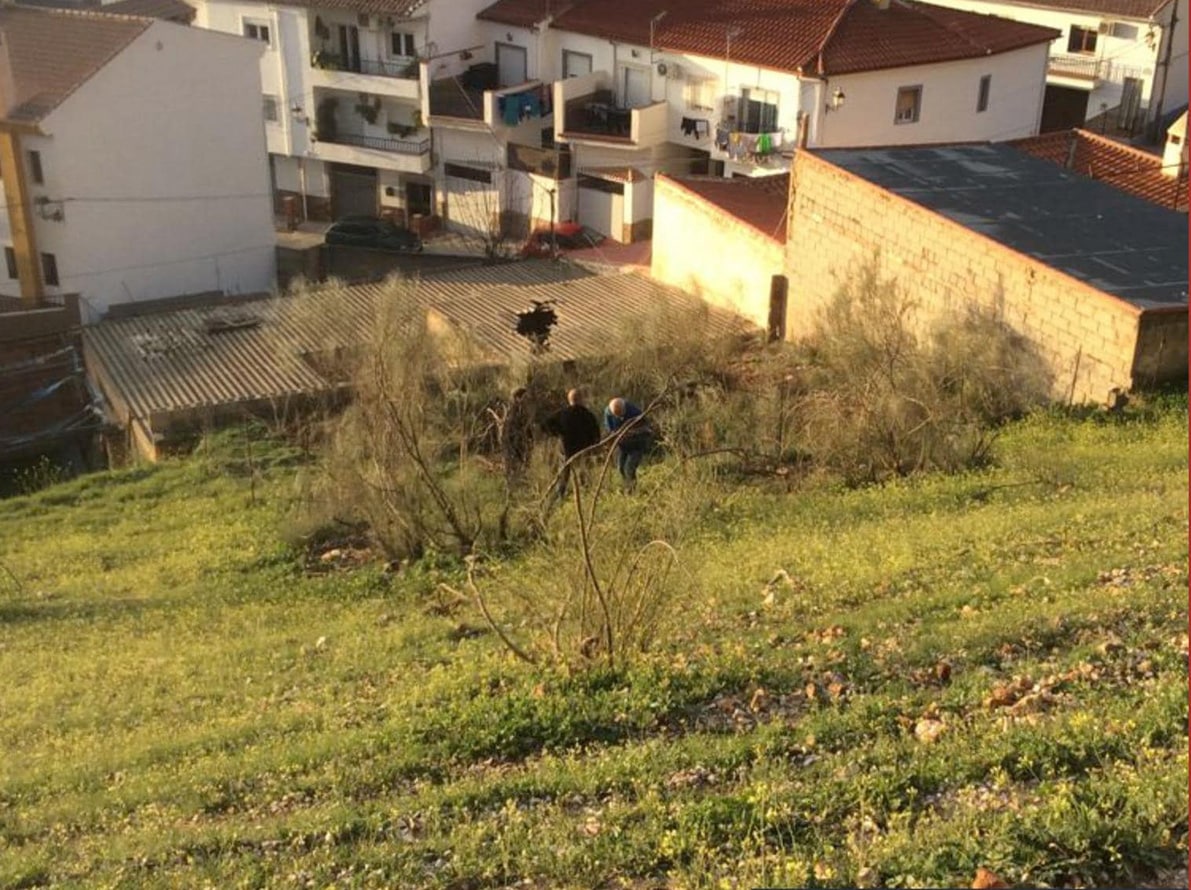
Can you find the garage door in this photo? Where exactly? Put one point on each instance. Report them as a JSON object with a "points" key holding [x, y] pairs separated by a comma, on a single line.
{"points": [[353, 191], [472, 201], [601, 205]]}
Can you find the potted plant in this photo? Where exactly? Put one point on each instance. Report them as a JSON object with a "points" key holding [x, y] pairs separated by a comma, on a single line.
{"points": [[368, 108], [324, 119]]}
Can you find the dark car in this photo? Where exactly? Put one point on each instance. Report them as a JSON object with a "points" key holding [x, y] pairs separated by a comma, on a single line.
{"points": [[367, 231], [568, 236]]}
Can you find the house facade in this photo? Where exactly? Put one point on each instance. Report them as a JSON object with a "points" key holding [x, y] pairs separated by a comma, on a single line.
{"points": [[719, 87], [1119, 64], [343, 105], [90, 114]]}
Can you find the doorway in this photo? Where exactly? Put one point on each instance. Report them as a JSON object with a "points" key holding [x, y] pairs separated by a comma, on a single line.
{"points": [[349, 47], [419, 199], [1063, 108], [635, 87], [353, 191], [512, 64]]}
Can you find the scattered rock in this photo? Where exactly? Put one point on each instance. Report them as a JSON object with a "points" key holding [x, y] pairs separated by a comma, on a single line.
{"points": [[928, 730], [988, 880], [695, 777]]}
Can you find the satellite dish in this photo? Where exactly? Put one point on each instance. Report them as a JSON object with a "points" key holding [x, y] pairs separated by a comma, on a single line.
{"points": [[662, 68]]}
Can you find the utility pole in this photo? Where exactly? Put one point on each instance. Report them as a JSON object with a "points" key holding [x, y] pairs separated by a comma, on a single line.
{"points": [[1156, 127], [553, 242]]}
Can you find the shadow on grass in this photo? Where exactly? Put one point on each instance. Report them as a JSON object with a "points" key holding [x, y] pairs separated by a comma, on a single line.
{"points": [[31, 612]]}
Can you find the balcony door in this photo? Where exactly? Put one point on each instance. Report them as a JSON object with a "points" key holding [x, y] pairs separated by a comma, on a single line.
{"points": [[634, 87], [512, 64], [349, 47]]}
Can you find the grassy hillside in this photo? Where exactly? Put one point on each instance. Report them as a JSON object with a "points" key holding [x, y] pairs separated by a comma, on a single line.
{"points": [[986, 670]]}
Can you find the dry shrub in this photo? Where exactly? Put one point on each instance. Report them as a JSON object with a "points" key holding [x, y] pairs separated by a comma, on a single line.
{"points": [[886, 398]]}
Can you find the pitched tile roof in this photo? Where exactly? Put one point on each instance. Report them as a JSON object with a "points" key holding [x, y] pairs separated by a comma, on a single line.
{"points": [[1134, 9], [759, 201], [815, 36], [47, 54], [399, 8], [1122, 166], [170, 10]]}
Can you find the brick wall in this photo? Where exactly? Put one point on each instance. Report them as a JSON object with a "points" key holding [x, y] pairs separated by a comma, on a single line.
{"points": [[701, 249], [838, 221], [1161, 348]]}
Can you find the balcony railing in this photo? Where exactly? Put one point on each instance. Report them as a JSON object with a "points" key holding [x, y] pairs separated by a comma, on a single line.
{"points": [[1078, 66], [407, 70], [380, 143], [596, 115]]}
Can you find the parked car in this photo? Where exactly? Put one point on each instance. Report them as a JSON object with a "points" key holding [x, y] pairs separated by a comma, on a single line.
{"points": [[568, 236], [369, 231]]}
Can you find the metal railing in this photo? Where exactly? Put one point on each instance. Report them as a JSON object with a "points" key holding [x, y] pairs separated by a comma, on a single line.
{"points": [[380, 143], [1072, 65], [335, 62]]}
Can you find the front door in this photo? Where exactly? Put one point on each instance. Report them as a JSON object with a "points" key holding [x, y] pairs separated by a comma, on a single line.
{"points": [[419, 199], [512, 64], [349, 47]]}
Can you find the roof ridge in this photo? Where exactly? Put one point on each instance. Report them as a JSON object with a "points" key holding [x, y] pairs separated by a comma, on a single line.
{"points": [[97, 14], [848, 6]]}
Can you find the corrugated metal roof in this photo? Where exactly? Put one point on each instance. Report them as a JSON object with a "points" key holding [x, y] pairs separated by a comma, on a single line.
{"points": [[172, 363]]}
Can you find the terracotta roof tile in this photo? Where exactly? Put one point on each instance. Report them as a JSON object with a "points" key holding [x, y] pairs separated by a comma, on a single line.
{"points": [[1134, 9], [817, 36], [46, 54], [170, 10], [399, 8], [759, 201], [522, 13], [1128, 169]]}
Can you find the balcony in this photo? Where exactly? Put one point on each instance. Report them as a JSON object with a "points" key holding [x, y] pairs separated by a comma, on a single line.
{"points": [[590, 113], [400, 155], [371, 131], [397, 78], [1075, 66]]}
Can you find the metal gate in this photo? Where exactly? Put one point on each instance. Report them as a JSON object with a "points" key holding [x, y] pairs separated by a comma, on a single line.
{"points": [[353, 191]]}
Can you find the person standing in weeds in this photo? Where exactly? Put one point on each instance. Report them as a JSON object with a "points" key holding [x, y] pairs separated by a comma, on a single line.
{"points": [[578, 428], [516, 434], [633, 443]]}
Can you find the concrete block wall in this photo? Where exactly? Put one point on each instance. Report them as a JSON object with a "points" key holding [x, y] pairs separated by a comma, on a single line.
{"points": [[837, 221], [1161, 348], [705, 251]]}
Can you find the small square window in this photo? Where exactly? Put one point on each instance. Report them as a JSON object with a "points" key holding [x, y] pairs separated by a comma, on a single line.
{"points": [[909, 105], [10, 258], [982, 95], [35, 172], [270, 109], [49, 269], [257, 31]]}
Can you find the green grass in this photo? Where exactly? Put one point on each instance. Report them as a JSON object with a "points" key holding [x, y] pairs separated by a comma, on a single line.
{"points": [[183, 706]]}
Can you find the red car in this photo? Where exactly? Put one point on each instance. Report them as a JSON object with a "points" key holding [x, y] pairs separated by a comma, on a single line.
{"points": [[567, 235]]}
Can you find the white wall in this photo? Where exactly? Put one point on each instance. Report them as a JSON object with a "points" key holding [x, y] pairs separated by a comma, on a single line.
{"points": [[948, 109], [175, 121], [1133, 58]]}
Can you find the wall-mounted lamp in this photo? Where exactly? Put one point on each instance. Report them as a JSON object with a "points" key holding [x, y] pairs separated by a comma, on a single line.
{"points": [[634, 53], [509, 36], [836, 102]]}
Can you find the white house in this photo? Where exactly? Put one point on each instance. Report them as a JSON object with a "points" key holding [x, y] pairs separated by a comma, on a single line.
{"points": [[1119, 63], [132, 158], [729, 87], [343, 98]]}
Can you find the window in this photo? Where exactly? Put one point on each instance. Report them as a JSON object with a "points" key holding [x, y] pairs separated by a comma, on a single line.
{"points": [[575, 64], [473, 174], [271, 114], [1120, 30], [10, 257], [982, 96], [49, 269], [700, 94], [1081, 40], [909, 105], [256, 31], [35, 168], [402, 44], [758, 111]]}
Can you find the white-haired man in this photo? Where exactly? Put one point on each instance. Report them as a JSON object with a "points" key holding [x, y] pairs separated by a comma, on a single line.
{"points": [[633, 442]]}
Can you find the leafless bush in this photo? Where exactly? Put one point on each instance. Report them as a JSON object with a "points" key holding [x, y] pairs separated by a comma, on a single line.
{"points": [[883, 399]]}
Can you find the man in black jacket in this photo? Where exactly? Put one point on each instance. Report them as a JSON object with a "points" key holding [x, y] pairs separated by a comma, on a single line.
{"points": [[578, 428]]}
